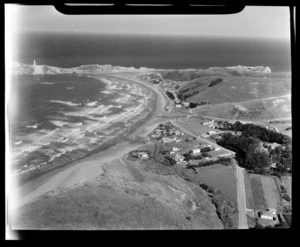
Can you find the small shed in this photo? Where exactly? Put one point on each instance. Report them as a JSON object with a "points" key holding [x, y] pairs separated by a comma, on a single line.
{"points": [[196, 151], [175, 149]]}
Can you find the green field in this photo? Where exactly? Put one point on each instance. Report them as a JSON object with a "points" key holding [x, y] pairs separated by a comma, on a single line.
{"points": [[249, 192], [220, 177], [194, 126], [239, 89], [259, 199], [249, 110], [271, 192]]}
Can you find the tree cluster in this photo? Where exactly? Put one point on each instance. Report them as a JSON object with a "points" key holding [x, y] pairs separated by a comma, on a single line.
{"points": [[170, 95], [247, 148], [215, 82], [258, 132]]}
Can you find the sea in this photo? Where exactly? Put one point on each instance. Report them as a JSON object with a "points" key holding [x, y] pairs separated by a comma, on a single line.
{"points": [[152, 51], [57, 119]]}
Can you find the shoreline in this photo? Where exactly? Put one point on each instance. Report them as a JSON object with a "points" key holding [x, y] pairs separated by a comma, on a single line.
{"points": [[88, 168]]}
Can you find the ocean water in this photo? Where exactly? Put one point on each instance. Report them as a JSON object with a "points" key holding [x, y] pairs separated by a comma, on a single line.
{"points": [[161, 52], [60, 118]]}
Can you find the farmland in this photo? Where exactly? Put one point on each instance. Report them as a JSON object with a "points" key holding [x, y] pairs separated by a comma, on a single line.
{"points": [[271, 194], [260, 109], [249, 192], [220, 177], [259, 198], [240, 89], [194, 126]]}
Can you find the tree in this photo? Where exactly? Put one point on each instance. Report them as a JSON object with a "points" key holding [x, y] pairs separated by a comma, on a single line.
{"points": [[193, 105], [258, 161], [170, 95]]}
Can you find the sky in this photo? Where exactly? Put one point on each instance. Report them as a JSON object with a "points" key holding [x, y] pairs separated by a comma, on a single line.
{"points": [[261, 22]]}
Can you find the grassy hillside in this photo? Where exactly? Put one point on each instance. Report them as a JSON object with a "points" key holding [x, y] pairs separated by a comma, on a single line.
{"points": [[191, 74], [238, 89], [250, 110], [132, 196]]}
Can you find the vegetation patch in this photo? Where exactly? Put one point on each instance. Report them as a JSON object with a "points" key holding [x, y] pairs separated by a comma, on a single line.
{"points": [[249, 192], [259, 200], [226, 210], [220, 177]]}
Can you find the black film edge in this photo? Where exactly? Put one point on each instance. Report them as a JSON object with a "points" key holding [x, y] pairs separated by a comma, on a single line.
{"points": [[143, 9]]}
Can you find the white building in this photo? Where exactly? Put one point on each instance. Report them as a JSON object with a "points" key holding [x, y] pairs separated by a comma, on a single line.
{"points": [[267, 217], [177, 132], [224, 155], [217, 149], [179, 158], [178, 105], [196, 151], [175, 149], [211, 132], [166, 140]]}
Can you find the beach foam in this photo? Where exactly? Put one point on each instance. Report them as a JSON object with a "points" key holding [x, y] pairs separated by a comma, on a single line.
{"points": [[69, 103]]}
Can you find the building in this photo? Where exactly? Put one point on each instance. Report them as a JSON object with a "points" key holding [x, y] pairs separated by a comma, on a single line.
{"points": [[269, 214], [166, 140], [139, 154], [196, 151], [143, 155], [211, 132], [179, 158], [204, 135], [186, 103], [175, 149], [224, 155], [177, 132], [217, 148], [178, 105], [217, 137]]}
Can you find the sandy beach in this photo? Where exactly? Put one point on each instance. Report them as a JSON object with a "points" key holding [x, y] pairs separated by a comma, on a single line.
{"points": [[89, 168]]}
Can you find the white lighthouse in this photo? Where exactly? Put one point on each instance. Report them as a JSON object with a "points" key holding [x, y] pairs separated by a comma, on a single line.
{"points": [[34, 63]]}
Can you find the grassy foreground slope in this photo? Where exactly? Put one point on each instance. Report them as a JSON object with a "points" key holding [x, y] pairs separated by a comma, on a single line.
{"points": [[126, 196]]}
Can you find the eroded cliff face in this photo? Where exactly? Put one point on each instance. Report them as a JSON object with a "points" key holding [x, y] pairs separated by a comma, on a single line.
{"points": [[27, 69], [127, 195]]}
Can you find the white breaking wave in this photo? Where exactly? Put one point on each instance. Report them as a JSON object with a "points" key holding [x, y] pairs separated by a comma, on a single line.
{"points": [[69, 87], [59, 123], [31, 126], [47, 83], [65, 102], [92, 103], [18, 143]]}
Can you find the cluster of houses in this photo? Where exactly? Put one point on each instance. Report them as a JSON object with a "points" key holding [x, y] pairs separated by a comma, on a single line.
{"points": [[139, 155], [153, 78], [202, 149], [167, 134], [209, 124]]}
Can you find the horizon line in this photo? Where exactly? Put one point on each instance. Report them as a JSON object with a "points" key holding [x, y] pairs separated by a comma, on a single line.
{"points": [[187, 35]]}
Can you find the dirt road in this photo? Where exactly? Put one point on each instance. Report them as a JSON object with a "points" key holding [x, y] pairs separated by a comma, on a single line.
{"points": [[241, 197]]}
